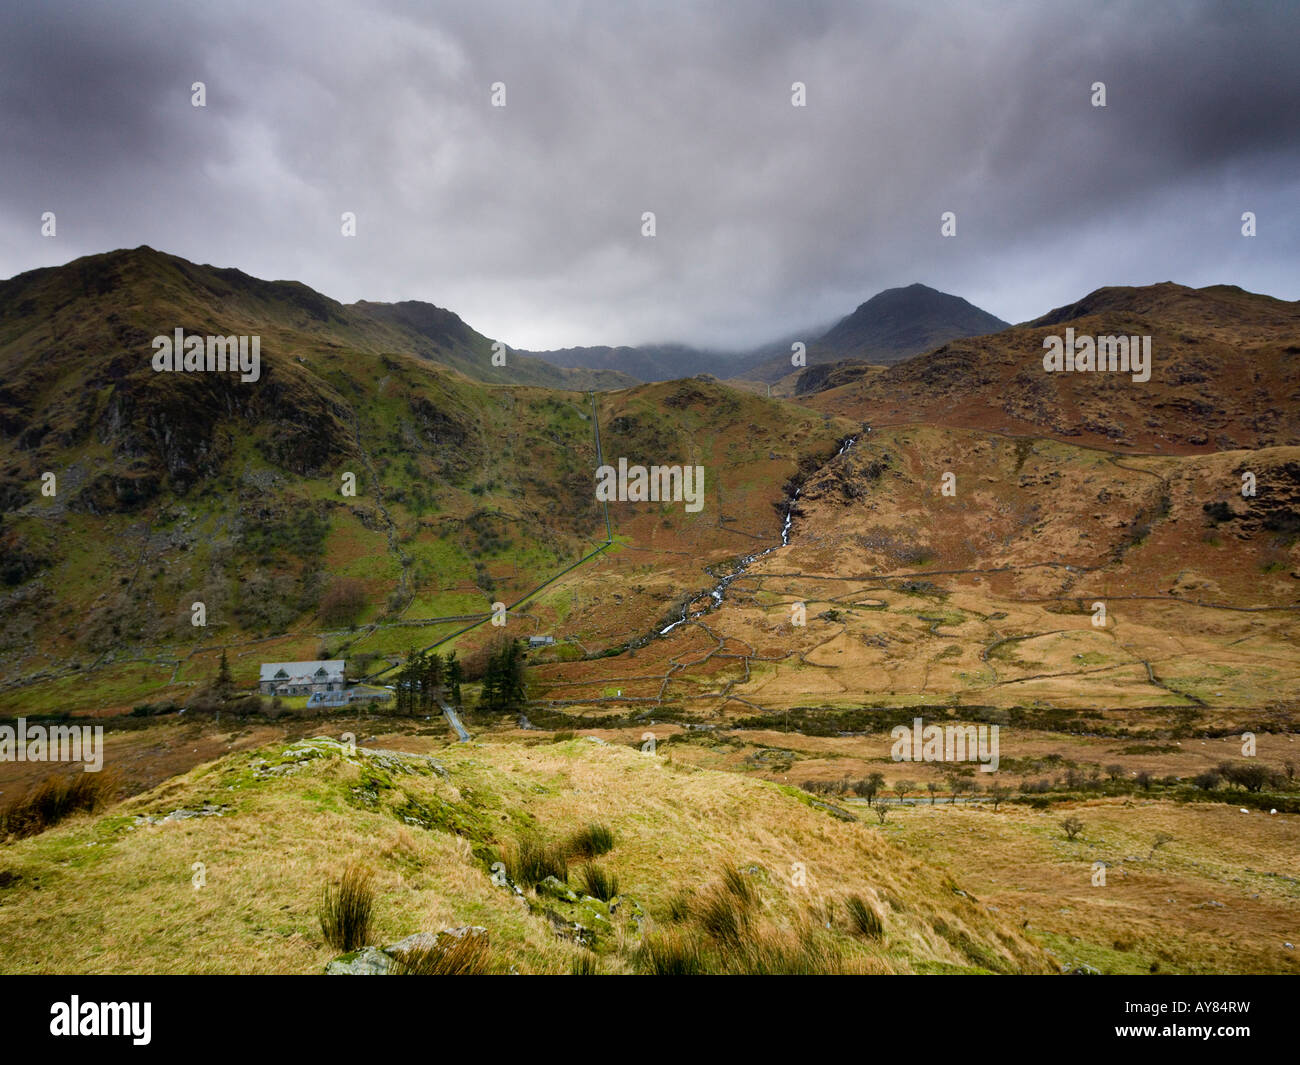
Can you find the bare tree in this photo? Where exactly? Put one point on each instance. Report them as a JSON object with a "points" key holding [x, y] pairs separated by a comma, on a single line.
{"points": [[932, 786], [954, 782], [869, 787], [958, 784], [1071, 826], [343, 603], [998, 793]]}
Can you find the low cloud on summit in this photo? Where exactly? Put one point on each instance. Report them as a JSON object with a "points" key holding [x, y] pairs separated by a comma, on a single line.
{"points": [[526, 220]]}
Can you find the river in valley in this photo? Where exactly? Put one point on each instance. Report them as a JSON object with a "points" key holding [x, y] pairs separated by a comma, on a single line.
{"points": [[719, 590]]}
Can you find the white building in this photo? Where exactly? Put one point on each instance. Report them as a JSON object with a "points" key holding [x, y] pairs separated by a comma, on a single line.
{"points": [[301, 678]]}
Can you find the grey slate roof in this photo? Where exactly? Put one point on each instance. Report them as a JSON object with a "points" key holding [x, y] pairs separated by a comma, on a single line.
{"points": [[333, 668]]}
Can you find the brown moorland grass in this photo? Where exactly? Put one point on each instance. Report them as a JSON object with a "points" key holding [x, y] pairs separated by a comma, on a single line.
{"points": [[288, 814], [55, 798], [466, 955]]}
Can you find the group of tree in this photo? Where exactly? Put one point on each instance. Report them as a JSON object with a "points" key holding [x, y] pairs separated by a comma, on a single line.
{"points": [[503, 677], [424, 679], [873, 787], [1250, 776]]}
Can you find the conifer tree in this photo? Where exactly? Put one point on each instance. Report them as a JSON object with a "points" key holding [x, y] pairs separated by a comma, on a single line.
{"points": [[224, 685], [454, 677]]}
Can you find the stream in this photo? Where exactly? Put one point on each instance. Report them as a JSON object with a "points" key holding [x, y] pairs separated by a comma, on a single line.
{"points": [[719, 590]]}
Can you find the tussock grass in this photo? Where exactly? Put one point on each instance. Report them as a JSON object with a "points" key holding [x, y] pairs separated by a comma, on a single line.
{"points": [[55, 798], [727, 929], [764, 951], [798, 952], [597, 882], [346, 911], [739, 885], [679, 907], [591, 842], [724, 912], [529, 860], [863, 918], [670, 952], [585, 964], [467, 955], [722, 917]]}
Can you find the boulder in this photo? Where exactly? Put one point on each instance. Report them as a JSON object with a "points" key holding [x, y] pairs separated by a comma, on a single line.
{"points": [[552, 888], [368, 961]]}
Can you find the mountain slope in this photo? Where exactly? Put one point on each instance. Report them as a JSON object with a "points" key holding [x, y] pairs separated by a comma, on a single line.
{"points": [[1224, 375], [901, 322], [117, 301], [442, 336], [644, 362], [891, 326], [178, 488]]}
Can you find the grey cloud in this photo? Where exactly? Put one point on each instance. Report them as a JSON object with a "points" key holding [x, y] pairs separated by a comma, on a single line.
{"points": [[525, 220]]}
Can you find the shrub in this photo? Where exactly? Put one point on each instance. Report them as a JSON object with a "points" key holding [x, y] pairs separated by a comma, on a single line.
{"points": [[345, 912], [591, 842], [1161, 839], [1251, 776], [1071, 826], [863, 918]]}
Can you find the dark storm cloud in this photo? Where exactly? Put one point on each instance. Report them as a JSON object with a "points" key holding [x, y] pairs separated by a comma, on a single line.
{"points": [[526, 220]]}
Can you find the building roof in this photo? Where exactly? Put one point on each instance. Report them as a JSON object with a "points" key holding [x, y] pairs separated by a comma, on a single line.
{"points": [[331, 668]]}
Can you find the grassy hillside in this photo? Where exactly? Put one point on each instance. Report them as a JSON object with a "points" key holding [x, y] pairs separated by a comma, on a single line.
{"points": [[176, 489], [115, 892]]}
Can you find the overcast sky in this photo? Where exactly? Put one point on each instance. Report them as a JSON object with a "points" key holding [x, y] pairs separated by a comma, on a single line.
{"points": [[526, 220]]}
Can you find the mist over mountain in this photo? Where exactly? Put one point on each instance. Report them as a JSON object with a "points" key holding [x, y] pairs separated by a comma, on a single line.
{"points": [[645, 362], [893, 325]]}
